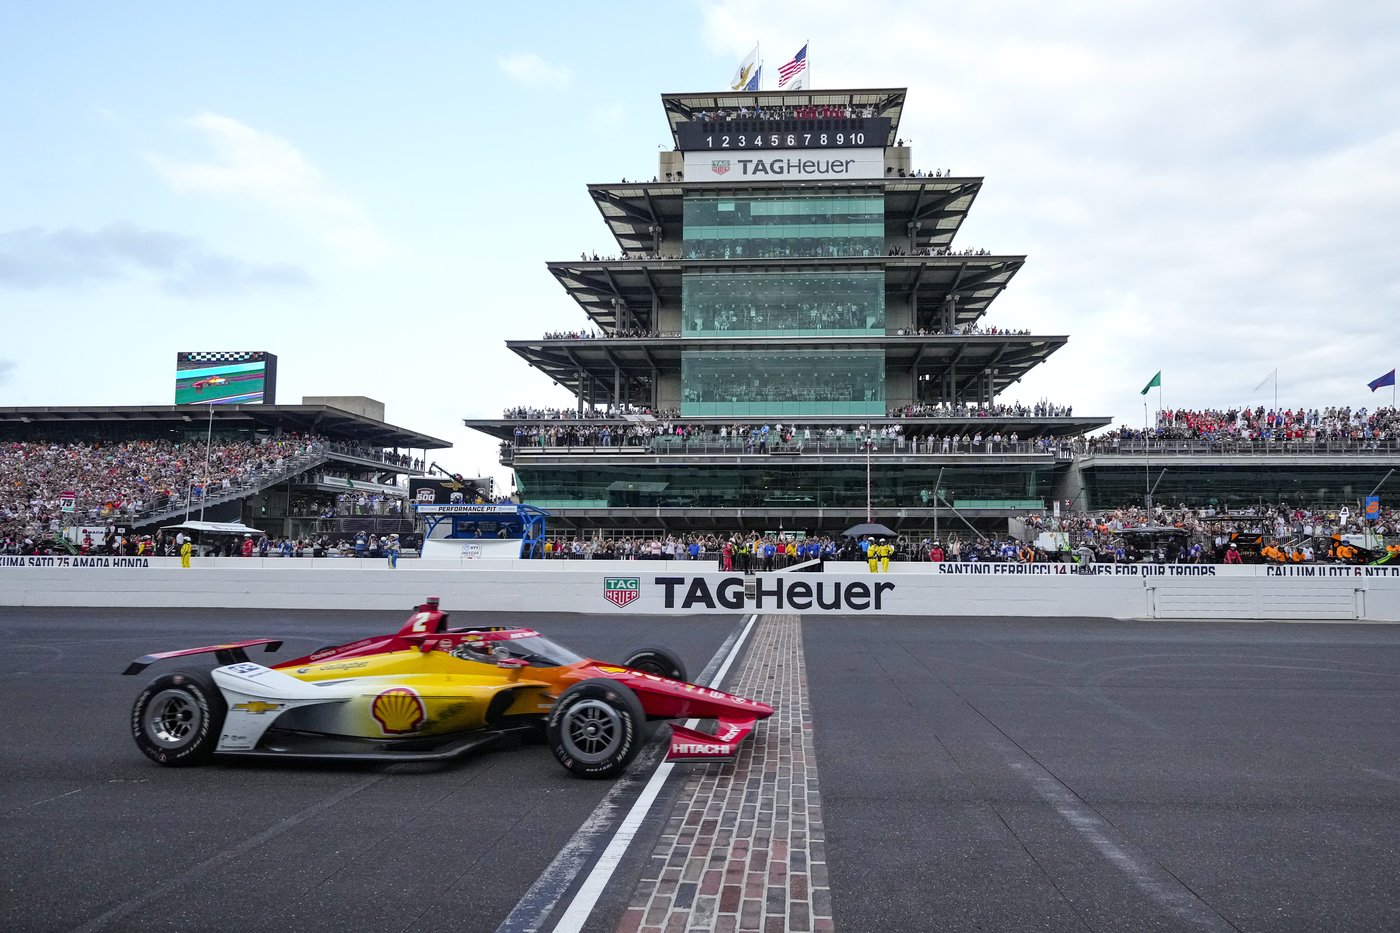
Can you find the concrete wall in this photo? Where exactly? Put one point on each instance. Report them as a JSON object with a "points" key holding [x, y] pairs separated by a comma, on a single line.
{"points": [[355, 404], [684, 587]]}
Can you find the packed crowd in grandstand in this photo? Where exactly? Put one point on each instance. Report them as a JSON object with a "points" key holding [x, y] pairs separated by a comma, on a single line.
{"points": [[41, 483], [1041, 409], [763, 438], [807, 112], [623, 333], [939, 251], [1260, 424], [720, 324], [44, 486]]}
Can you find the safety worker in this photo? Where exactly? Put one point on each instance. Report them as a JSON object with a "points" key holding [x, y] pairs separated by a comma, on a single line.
{"points": [[886, 552], [186, 549], [872, 554]]}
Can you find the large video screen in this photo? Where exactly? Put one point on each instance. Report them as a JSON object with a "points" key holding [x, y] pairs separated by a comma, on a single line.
{"points": [[225, 377]]}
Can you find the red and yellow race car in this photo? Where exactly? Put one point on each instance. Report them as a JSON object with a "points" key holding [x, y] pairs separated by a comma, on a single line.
{"points": [[429, 692]]}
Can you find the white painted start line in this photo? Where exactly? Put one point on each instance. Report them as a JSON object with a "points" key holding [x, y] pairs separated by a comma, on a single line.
{"points": [[538, 902]]}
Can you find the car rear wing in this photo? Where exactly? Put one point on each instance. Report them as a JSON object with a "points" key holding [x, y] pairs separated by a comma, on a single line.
{"points": [[693, 745], [230, 653]]}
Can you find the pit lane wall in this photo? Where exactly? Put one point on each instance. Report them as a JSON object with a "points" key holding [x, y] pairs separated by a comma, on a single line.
{"points": [[686, 587]]}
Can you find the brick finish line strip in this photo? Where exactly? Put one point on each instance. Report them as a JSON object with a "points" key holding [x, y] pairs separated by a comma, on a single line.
{"points": [[744, 848]]}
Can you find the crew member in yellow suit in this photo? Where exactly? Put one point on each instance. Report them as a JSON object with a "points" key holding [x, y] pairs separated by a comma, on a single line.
{"points": [[186, 550], [872, 554], [886, 551]]}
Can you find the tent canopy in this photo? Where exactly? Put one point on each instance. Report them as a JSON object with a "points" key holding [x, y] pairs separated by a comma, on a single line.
{"points": [[867, 528], [221, 528]]}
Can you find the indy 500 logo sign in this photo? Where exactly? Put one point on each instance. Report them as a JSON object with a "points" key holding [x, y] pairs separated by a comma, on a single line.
{"points": [[621, 591]]}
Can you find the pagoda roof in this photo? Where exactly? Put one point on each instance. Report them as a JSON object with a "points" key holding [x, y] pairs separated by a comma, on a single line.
{"points": [[1010, 357], [684, 108], [638, 283], [938, 205]]}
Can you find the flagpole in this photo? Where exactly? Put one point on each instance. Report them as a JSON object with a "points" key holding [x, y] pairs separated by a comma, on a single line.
{"points": [[1146, 457]]}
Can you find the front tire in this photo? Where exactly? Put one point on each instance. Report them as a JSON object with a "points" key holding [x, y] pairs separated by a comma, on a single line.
{"points": [[594, 729], [177, 719], [657, 661]]}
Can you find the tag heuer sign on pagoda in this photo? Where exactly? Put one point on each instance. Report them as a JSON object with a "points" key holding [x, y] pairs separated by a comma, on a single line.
{"points": [[620, 591]]}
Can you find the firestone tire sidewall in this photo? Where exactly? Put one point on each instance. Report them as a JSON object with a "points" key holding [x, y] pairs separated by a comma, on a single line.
{"points": [[631, 719], [658, 661], [197, 689]]}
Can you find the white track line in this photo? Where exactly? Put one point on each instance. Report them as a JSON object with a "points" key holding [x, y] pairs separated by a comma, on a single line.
{"points": [[587, 897]]}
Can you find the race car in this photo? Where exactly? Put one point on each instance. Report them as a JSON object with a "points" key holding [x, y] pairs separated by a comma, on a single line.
{"points": [[429, 692], [211, 381]]}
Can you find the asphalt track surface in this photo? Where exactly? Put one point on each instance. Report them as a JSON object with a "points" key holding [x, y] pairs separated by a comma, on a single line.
{"points": [[975, 775]]}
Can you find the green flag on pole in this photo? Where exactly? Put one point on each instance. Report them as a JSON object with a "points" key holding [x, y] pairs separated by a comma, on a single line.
{"points": [[1155, 383]]}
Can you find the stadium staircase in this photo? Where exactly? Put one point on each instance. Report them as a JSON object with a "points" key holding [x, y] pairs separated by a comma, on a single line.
{"points": [[179, 507]]}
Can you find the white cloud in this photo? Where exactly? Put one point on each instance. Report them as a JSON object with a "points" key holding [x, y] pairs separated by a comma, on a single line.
{"points": [[248, 164], [35, 258], [533, 71], [1197, 190]]}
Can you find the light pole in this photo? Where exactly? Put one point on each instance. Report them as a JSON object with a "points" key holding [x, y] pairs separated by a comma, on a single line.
{"points": [[868, 514], [208, 443]]}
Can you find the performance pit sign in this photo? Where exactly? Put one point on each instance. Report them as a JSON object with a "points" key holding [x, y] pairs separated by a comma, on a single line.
{"points": [[786, 165]]}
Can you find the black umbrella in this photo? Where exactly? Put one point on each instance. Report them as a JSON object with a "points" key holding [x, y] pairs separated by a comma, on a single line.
{"points": [[869, 528]]}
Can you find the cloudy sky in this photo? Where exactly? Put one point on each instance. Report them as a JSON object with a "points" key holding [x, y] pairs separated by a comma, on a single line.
{"points": [[371, 190]]}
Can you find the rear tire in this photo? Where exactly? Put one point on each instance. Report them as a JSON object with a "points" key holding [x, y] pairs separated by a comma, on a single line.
{"points": [[594, 729], [657, 661], [177, 719]]}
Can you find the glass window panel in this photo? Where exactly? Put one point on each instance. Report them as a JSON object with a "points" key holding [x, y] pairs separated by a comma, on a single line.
{"points": [[778, 227], [783, 304], [787, 382]]}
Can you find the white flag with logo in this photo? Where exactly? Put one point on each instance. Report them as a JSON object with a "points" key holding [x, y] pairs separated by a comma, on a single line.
{"points": [[748, 71]]}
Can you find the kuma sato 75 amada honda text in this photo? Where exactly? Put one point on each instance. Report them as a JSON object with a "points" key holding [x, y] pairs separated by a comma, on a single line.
{"points": [[428, 692]]}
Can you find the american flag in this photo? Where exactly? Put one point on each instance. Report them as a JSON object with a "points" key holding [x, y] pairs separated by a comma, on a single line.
{"points": [[793, 69]]}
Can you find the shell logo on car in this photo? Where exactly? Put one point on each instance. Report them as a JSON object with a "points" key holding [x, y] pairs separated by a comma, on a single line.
{"points": [[398, 710]]}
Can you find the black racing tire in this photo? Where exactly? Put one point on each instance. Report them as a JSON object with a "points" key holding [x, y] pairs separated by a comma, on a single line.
{"points": [[657, 661], [595, 729], [177, 719]]}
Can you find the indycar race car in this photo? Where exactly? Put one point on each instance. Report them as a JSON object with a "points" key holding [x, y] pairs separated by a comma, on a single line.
{"points": [[428, 692]]}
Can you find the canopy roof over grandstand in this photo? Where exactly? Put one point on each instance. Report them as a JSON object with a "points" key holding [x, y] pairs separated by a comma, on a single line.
{"points": [[886, 102], [976, 280], [937, 205], [24, 423], [1010, 357]]}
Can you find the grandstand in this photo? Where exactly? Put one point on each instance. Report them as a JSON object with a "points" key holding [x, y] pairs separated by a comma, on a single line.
{"points": [[290, 470]]}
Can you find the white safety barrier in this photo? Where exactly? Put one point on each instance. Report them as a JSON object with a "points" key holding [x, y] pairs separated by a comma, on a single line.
{"points": [[686, 587]]}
